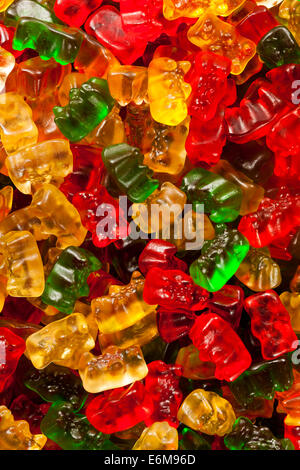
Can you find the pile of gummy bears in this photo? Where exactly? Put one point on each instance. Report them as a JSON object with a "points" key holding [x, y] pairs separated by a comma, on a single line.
{"points": [[117, 330]]}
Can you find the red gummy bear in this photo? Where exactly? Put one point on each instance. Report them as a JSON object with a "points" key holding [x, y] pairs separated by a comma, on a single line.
{"points": [[106, 25], [101, 215], [173, 289], [208, 78], [174, 324], [119, 409], [219, 343], [75, 12], [162, 387], [228, 303], [160, 254], [274, 218]]}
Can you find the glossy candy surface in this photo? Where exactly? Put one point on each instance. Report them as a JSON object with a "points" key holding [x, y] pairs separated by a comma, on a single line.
{"points": [[48, 39], [149, 226], [207, 412], [268, 314], [229, 354], [88, 106], [67, 280]]}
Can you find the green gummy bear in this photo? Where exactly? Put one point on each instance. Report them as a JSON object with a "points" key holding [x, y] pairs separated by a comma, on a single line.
{"points": [[246, 436], [56, 383], [125, 165], [67, 280], [278, 47], [71, 430], [263, 379], [48, 39], [219, 260], [88, 106], [221, 198]]}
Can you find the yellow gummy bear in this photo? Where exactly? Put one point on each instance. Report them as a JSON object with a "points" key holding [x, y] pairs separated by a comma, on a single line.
{"points": [[207, 412], [142, 332], [291, 301], [128, 84], [290, 10], [192, 367], [7, 63], [164, 204], [110, 131], [259, 271], [122, 307], [6, 199], [22, 265], [50, 213], [17, 128], [47, 162], [62, 342], [215, 35], [167, 90], [252, 193], [163, 146], [115, 368], [72, 80], [186, 234], [4, 4], [166, 152]]}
